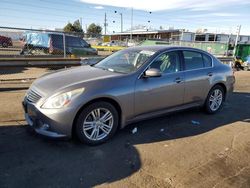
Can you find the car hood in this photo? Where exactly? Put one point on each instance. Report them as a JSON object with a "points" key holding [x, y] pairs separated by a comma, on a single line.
{"points": [[56, 81]]}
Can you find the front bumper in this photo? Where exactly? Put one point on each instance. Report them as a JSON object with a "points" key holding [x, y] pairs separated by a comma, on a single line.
{"points": [[42, 129], [49, 124]]}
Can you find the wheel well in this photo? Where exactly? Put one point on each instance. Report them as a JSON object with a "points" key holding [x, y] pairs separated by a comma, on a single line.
{"points": [[103, 99], [224, 88]]}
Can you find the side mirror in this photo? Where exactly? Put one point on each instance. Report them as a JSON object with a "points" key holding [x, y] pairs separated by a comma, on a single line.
{"points": [[153, 72], [89, 45]]}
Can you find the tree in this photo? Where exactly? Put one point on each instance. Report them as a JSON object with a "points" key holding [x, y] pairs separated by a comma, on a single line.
{"points": [[68, 28], [94, 30], [75, 27]]}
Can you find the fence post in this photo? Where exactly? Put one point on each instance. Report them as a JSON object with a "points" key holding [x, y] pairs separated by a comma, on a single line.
{"points": [[64, 46]]}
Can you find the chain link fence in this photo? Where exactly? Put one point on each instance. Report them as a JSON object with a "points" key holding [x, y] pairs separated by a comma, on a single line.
{"points": [[18, 42], [215, 48]]}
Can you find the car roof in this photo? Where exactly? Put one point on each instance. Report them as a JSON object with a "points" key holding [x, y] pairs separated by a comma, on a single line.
{"points": [[163, 48]]}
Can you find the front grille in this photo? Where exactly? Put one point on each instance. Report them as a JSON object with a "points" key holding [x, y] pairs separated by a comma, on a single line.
{"points": [[33, 97]]}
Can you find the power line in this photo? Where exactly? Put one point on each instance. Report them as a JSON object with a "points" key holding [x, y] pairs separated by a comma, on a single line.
{"points": [[57, 15], [143, 19], [66, 10], [59, 21]]}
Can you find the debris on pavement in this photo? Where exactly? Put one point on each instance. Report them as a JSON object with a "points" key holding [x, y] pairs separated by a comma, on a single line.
{"points": [[134, 130], [195, 122], [23, 81]]}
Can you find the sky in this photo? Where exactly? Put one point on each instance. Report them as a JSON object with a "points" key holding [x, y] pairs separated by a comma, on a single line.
{"points": [[220, 16]]}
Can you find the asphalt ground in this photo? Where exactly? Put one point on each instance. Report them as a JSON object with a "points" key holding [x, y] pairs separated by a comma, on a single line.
{"points": [[184, 149]]}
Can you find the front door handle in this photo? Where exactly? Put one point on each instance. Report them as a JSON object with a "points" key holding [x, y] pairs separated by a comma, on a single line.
{"points": [[210, 74], [178, 80]]}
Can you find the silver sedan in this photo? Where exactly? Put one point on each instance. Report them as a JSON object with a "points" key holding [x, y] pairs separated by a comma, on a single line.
{"points": [[137, 83]]}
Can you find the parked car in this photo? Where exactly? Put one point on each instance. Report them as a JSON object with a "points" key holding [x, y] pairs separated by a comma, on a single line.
{"points": [[133, 84], [53, 43], [74, 45], [246, 64], [5, 42]]}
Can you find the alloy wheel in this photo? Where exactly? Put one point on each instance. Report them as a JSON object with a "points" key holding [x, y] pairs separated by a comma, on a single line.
{"points": [[98, 124], [215, 99]]}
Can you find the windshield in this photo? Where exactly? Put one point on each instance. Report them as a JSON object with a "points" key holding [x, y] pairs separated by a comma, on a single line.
{"points": [[125, 61]]}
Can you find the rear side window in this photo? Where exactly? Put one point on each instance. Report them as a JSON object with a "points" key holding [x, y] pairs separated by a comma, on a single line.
{"points": [[195, 60], [207, 60], [57, 41]]}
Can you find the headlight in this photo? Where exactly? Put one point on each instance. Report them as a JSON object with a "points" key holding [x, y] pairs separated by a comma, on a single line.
{"points": [[61, 100]]}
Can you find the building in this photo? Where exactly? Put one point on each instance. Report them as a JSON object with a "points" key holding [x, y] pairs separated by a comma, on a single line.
{"points": [[179, 34], [141, 35]]}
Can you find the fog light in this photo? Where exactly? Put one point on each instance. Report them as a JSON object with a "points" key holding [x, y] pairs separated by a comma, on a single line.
{"points": [[45, 127]]}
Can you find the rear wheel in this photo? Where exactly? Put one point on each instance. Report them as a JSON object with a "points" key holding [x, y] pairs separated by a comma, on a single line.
{"points": [[97, 123], [215, 99]]}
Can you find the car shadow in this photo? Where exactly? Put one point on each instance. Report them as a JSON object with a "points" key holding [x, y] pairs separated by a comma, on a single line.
{"points": [[11, 70], [38, 162]]}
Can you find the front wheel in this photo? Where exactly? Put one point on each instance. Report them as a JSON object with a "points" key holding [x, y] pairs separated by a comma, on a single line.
{"points": [[238, 66], [5, 45], [215, 99], [97, 123]]}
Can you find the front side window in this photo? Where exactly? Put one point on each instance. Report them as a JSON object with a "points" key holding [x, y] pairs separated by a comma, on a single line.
{"points": [[84, 43], [167, 63], [125, 61], [74, 42]]}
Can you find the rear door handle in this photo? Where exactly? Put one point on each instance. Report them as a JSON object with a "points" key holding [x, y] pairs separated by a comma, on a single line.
{"points": [[210, 74], [178, 80]]}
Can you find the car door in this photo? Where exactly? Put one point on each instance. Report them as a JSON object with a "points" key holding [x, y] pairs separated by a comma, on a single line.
{"points": [[157, 93], [198, 72]]}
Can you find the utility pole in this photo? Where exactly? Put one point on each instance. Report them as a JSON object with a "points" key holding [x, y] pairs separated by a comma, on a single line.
{"points": [[131, 32], [105, 24], [81, 22], [237, 37], [228, 42], [121, 23], [215, 35]]}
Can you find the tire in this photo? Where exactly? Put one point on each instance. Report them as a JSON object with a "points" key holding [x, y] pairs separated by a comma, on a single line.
{"points": [[238, 66], [91, 127], [213, 107], [5, 45]]}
